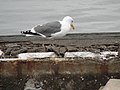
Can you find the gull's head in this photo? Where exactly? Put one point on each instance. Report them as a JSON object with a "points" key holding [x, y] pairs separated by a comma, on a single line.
{"points": [[69, 20]]}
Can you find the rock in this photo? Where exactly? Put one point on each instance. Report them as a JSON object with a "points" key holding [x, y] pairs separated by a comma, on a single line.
{"points": [[59, 51], [32, 50], [62, 51], [53, 49], [113, 48], [102, 47], [49, 48], [71, 49], [11, 45], [81, 49], [18, 51], [56, 50], [8, 51], [94, 50], [36, 49], [116, 44]]}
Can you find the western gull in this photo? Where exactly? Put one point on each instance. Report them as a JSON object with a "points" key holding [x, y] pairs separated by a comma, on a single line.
{"points": [[54, 29]]}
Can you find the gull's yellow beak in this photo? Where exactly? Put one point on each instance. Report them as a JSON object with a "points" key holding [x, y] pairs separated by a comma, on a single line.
{"points": [[72, 26]]}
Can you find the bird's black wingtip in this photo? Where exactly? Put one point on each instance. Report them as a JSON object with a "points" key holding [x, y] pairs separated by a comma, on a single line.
{"points": [[26, 32], [30, 33]]}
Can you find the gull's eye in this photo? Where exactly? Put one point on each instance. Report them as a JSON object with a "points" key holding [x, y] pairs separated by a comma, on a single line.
{"points": [[72, 21]]}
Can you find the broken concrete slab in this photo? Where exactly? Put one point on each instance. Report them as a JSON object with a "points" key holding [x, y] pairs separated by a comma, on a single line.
{"points": [[112, 84], [106, 55], [36, 55]]}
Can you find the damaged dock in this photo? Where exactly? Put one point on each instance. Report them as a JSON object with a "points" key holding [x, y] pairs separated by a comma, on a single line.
{"points": [[59, 72]]}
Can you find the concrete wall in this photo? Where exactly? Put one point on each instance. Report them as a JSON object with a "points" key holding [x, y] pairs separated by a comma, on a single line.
{"points": [[58, 66]]}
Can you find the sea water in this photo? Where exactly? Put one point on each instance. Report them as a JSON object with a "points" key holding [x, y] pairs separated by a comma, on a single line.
{"points": [[89, 15]]}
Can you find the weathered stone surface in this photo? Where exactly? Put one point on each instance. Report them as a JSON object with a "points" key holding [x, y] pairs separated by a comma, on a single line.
{"points": [[36, 49], [102, 48], [94, 50], [71, 49], [62, 51], [16, 52], [113, 48], [49, 48], [56, 50], [8, 51]]}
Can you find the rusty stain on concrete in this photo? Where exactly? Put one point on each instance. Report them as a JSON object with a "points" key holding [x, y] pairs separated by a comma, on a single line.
{"points": [[104, 68], [51, 66]]}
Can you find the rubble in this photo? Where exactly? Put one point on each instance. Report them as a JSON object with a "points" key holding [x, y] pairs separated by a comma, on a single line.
{"points": [[59, 50]]}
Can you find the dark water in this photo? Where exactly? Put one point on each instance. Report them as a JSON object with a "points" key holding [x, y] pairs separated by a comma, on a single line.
{"points": [[89, 15]]}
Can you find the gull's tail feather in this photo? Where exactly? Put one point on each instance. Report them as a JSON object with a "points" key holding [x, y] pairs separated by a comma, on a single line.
{"points": [[30, 33]]}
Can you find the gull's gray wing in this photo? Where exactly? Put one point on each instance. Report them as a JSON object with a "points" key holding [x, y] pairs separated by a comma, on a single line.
{"points": [[48, 28]]}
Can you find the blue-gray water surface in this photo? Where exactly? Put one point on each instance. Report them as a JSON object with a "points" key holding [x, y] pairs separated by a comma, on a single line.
{"points": [[89, 15]]}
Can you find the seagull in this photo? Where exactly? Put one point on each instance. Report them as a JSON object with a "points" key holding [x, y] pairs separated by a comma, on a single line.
{"points": [[56, 29]]}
